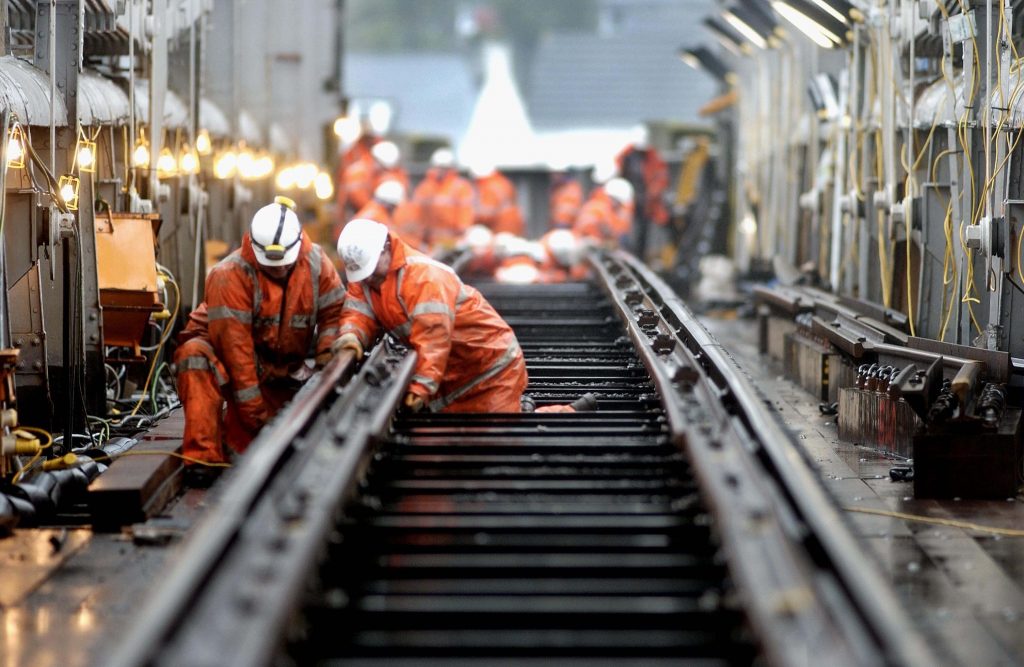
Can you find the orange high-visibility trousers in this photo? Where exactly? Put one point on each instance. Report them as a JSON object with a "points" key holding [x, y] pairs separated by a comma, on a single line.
{"points": [[204, 392]]}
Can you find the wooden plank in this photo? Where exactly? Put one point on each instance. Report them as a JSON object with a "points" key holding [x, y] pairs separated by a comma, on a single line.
{"points": [[137, 487]]}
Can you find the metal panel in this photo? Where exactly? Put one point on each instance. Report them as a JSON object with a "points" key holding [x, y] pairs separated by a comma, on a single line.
{"points": [[25, 90], [101, 101]]}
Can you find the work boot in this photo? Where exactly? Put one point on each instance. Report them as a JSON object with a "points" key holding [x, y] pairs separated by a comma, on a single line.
{"points": [[585, 403], [200, 476]]}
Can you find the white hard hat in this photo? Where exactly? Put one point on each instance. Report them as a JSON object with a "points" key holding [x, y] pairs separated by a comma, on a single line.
{"points": [[480, 168], [563, 246], [390, 192], [276, 233], [640, 136], [620, 190], [359, 247], [443, 158], [385, 153], [478, 238], [605, 171]]}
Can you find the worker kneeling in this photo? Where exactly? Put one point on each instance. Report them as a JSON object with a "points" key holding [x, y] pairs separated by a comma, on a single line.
{"points": [[267, 303], [468, 358]]}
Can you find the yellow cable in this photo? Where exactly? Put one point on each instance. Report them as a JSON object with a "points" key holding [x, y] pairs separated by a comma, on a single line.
{"points": [[148, 452], [952, 523], [160, 346], [35, 457]]}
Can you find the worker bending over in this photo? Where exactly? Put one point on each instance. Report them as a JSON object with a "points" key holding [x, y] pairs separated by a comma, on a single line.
{"points": [[267, 305], [468, 358]]}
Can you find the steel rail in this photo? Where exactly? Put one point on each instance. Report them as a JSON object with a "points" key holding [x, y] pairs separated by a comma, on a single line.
{"points": [[241, 572], [809, 587]]}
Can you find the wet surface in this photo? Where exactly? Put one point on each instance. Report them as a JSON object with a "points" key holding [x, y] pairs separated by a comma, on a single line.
{"points": [[964, 587]]}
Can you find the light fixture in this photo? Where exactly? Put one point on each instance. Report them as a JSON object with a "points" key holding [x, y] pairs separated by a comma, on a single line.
{"points": [[285, 179], [15, 147], [727, 36], [224, 166], [85, 155], [264, 165], [203, 144], [67, 187], [818, 26], [305, 174], [188, 161], [323, 186], [166, 165], [745, 29], [347, 129], [842, 10], [701, 58], [246, 163]]}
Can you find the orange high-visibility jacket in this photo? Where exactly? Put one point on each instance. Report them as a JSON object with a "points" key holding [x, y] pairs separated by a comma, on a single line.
{"points": [[260, 327], [654, 173], [566, 200], [444, 202], [602, 218], [460, 341], [497, 206], [401, 220]]}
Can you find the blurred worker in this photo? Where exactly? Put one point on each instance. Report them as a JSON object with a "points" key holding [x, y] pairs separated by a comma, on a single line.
{"points": [[468, 358], [444, 201], [390, 208], [566, 199], [362, 177], [641, 165], [354, 150], [562, 257], [608, 214], [496, 204], [478, 241], [267, 305], [519, 260]]}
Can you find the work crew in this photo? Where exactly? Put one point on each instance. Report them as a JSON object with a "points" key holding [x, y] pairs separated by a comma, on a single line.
{"points": [[468, 358], [565, 200], [363, 176], [443, 201], [642, 165], [390, 208], [607, 215], [495, 204], [267, 305], [562, 254]]}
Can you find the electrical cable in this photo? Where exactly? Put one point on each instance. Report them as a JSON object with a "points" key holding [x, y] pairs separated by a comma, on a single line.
{"points": [[952, 523], [148, 452]]}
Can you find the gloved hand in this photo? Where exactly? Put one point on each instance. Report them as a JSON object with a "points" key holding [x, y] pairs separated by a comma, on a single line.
{"points": [[414, 402], [348, 341]]}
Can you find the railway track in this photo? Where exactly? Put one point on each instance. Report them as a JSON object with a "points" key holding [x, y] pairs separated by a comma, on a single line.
{"points": [[675, 522]]}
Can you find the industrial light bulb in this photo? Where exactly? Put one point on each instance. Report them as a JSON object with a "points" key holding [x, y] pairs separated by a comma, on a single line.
{"points": [[305, 174], [323, 186], [264, 166], [166, 165], [225, 165], [285, 179], [140, 158], [246, 164], [86, 159], [15, 153], [203, 144], [67, 187], [188, 162]]}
